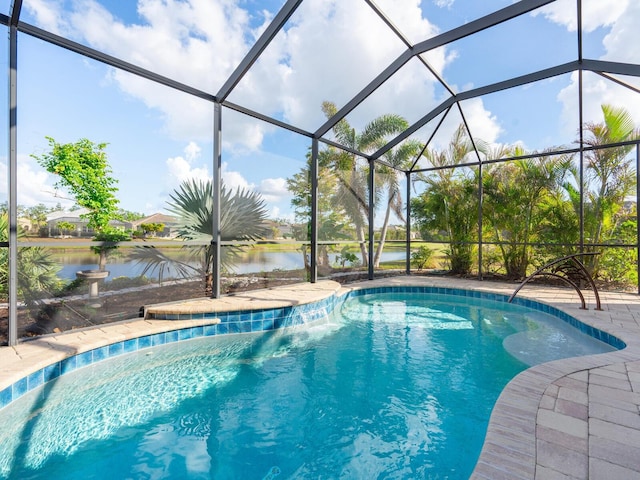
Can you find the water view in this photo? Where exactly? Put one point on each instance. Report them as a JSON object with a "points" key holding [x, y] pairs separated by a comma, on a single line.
{"points": [[248, 262]]}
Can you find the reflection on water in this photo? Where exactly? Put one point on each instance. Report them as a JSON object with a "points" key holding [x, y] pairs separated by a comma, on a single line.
{"points": [[248, 262]]}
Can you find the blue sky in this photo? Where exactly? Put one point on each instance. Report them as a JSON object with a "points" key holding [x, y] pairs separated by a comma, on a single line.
{"points": [[329, 50]]}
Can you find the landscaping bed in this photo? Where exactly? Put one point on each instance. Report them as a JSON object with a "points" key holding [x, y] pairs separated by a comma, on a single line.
{"points": [[78, 311]]}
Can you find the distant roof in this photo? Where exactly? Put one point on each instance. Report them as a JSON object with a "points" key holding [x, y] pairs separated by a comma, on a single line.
{"points": [[156, 218], [59, 214]]}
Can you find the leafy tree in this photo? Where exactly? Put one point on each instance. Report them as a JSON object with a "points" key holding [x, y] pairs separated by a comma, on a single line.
{"points": [[618, 264], [332, 219], [275, 232], [343, 188], [83, 169], [128, 215], [451, 207], [346, 257], [388, 179], [421, 257], [242, 214], [65, 227], [558, 227], [152, 228], [37, 215]]}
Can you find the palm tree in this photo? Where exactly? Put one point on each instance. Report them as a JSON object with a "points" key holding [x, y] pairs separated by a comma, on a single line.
{"points": [[242, 214], [610, 176], [515, 195], [397, 159], [450, 203], [352, 188]]}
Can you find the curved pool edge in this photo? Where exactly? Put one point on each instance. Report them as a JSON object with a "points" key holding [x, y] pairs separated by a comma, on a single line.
{"points": [[35, 361], [538, 425], [574, 418]]}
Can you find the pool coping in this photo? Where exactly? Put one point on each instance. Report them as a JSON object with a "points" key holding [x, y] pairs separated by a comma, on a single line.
{"points": [[573, 418]]}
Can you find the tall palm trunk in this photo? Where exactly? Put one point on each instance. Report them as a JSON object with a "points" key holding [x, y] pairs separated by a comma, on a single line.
{"points": [[356, 214], [383, 234]]}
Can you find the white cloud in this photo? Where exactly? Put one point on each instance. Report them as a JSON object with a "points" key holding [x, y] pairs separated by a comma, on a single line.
{"points": [[444, 3], [407, 16], [322, 56], [330, 51], [595, 13], [481, 122], [35, 185], [196, 42], [597, 90], [235, 180], [623, 36], [200, 42], [181, 168], [192, 151], [274, 189], [184, 167], [483, 125], [47, 15]]}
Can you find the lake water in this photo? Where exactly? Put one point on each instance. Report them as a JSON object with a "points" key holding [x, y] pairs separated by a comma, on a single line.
{"points": [[251, 262]]}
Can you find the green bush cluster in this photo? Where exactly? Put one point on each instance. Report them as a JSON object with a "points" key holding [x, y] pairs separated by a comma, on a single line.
{"points": [[533, 208]]}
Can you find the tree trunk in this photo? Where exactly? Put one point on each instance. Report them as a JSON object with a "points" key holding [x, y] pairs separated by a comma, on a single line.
{"points": [[102, 261], [383, 235]]}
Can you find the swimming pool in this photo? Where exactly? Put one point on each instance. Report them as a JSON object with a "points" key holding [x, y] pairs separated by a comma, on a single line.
{"points": [[391, 384]]}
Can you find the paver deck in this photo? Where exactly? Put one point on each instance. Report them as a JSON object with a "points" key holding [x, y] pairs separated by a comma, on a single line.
{"points": [[576, 418]]}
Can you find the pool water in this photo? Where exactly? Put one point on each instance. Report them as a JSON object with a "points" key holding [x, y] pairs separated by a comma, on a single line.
{"points": [[388, 386]]}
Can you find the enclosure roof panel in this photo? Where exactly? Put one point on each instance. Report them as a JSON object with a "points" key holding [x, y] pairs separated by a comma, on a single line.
{"points": [[280, 60]]}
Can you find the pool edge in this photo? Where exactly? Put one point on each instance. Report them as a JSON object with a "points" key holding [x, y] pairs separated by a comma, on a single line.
{"points": [[512, 447]]}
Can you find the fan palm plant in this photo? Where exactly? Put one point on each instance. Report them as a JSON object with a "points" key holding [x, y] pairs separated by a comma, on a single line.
{"points": [[37, 270], [242, 214]]}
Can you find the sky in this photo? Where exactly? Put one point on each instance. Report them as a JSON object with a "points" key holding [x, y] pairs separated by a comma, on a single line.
{"points": [[328, 50]]}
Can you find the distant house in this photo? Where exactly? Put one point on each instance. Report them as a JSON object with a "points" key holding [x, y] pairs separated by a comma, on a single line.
{"points": [[277, 230], [81, 225], [24, 224], [170, 224]]}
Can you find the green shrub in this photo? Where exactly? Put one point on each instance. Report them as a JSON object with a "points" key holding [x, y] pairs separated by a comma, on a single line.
{"points": [[346, 256], [421, 257]]}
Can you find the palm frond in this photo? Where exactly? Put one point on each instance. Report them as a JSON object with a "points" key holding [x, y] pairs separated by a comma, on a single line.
{"points": [[242, 216]]}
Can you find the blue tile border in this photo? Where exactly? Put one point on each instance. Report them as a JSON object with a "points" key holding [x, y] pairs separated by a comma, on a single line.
{"points": [[498, 297], [246, 321]]}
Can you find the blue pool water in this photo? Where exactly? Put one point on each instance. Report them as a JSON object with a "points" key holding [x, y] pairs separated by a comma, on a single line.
{"points": [[388, 386]]}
